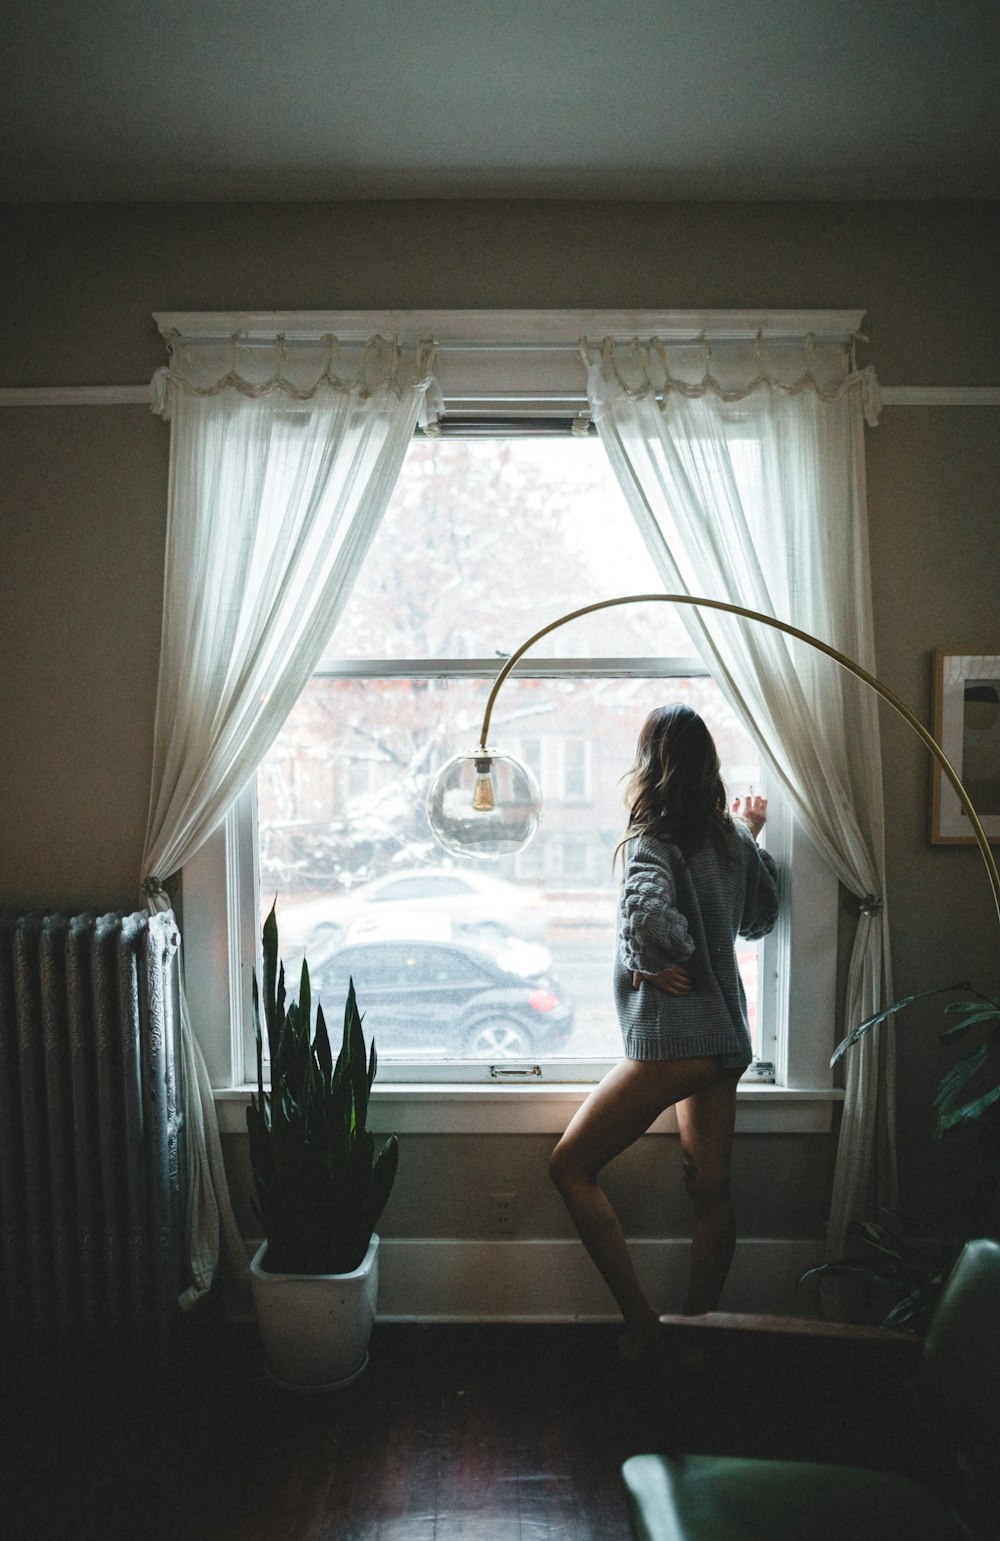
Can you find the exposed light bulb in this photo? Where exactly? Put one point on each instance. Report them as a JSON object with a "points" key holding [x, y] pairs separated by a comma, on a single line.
{"points": [[483, 803], [484, 798]]}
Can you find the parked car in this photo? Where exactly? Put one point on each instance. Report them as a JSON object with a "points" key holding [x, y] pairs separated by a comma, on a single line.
{"points": [[473, 900], [428, 990]]}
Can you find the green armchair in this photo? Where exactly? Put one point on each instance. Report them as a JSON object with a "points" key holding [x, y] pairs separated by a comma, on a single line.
{"points": [[726, 1498]]}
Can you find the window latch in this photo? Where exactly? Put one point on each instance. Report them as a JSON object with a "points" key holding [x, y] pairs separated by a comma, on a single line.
{"points": [[514, 1072], [761, 1070]]}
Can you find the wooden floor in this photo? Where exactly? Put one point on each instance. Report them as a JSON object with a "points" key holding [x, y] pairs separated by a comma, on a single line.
{"points": [[486, 1433]]}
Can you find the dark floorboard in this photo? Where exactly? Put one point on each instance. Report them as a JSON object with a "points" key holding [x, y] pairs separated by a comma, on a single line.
{"points": [[456, 1433]]}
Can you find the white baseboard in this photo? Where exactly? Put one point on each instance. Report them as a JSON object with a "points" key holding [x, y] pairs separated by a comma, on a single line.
{"points": [[427, 1279]]}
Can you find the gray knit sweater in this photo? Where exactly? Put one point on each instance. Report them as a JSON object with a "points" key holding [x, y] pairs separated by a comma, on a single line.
{"points": [[690, 912]]}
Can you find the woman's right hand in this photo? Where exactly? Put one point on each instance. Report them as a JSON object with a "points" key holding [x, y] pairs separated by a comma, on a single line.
{"points": [[753, 811], [674, 980]]}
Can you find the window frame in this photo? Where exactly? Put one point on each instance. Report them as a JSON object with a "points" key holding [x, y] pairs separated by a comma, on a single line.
{"points": [[525, 362]]}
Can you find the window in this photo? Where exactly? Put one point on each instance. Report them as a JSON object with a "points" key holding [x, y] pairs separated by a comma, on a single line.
{"points": [[462, 967], [485, 540]]}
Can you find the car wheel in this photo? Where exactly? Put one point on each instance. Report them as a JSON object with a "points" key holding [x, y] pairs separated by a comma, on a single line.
{"points": [[326, 937], [490, 931], [498, 1038]]}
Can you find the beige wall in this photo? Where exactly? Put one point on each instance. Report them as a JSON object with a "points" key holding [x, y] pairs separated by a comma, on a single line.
{"points": [[83, 511], [933, 475], [82, 497]]}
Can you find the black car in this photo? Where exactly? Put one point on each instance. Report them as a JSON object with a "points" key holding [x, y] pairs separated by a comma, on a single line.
{"points": [[448, 999]]}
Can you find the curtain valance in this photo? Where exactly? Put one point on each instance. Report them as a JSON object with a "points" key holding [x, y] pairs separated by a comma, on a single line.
{"points": [[494, 361], [730, 369], [301, 369]]}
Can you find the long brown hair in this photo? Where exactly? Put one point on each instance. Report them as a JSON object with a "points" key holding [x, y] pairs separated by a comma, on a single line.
{"points": [[674, 789]]}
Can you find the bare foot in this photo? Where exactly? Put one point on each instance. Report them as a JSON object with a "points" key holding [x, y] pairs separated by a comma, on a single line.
{"points": [[636, 1342]]}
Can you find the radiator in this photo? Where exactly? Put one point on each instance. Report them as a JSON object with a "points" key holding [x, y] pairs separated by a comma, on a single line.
{"points": [[90, 1172]]}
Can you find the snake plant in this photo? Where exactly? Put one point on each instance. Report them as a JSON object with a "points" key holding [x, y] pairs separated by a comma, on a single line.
{"points": [[320, 1185]]}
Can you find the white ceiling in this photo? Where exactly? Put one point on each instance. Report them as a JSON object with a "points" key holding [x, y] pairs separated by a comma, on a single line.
{"points": [[325, 99]]}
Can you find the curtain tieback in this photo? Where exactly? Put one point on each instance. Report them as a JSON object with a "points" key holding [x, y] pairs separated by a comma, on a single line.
{"points": [[871, 904], [152, 888]]}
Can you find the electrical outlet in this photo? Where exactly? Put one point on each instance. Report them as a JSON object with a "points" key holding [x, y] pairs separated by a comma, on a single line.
{"points": [[503, 1213]]}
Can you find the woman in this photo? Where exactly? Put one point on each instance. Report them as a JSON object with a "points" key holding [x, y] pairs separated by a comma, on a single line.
{"points": [[694, 880]]}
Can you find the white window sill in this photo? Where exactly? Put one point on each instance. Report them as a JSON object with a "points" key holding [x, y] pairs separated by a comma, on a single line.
{"points": [[427, 1108]]}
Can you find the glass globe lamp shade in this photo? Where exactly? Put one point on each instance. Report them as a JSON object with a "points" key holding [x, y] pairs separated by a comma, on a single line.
{"points": [[484, 804]]}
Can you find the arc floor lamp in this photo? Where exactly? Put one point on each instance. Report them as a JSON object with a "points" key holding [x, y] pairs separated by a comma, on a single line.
{"points": [[486, 803]]}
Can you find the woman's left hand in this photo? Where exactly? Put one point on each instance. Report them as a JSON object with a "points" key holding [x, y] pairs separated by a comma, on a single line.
{"points": [[674, 980], [753, 811]]}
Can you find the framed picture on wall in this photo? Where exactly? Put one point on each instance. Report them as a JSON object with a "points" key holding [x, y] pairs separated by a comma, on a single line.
{"points": [[967, 726]]}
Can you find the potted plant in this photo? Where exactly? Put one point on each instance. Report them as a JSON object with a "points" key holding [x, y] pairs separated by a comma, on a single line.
{"points": [[910, 1274], [320, 1187], [955, 1104]]}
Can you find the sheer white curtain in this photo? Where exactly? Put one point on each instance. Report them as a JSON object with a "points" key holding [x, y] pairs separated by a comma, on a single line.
{"points": [[280, 471], [744, 469]]}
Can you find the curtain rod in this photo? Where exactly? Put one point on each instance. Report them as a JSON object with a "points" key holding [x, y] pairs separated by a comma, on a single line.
{"points": [[474, 345], [140, 395]]}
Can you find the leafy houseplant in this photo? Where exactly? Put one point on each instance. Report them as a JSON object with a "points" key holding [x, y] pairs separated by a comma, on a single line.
{"points": [[910, 1275], [899, 1279], [981, 1014], [320, 1187], [968, 1094]]}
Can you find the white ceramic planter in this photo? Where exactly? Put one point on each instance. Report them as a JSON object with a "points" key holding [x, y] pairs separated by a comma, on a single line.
{"points": [[316, 1327]]}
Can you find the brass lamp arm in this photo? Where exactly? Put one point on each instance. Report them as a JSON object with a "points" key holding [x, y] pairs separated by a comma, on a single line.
{"points": [[793, 631]]}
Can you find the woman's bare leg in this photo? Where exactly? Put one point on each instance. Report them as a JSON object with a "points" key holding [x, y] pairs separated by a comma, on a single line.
{"points": [[617, 1112], [706, 1121]]}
